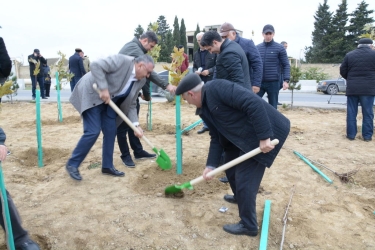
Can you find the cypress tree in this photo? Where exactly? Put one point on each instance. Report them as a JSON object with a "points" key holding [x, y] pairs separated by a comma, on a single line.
{"points": [[196, 46], [183, 41], [176, 32]]}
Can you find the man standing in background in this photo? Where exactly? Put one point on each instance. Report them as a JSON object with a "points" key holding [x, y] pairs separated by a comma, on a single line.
{"points": [[358, 68], [76, 67], [274, 57], [33, 59], [252, 54], [204, 66]]}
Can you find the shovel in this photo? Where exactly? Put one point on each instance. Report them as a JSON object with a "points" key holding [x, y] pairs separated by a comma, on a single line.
{"points": [[189, 185], [163, 159]]}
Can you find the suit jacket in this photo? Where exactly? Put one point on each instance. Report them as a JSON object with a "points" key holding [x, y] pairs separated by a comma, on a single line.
{"points": [[76, 66], [210, 61], [5, 62], [235, 114], [110, 73]]}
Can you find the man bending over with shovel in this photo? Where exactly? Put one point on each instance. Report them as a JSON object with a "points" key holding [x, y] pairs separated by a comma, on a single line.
{"points": [[239, 122]]}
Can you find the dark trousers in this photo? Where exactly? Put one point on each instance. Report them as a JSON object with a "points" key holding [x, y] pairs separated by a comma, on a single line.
{"points": [[96, 119], [73, 82], [20, 235], [367, 114], [40, 80], [134, 141], [47, 87], [244, 180], [272, 89]]}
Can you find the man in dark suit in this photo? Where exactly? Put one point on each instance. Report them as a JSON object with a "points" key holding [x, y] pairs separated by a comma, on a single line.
{"points": [[239, 122], [33, 59], [204, 66], [76, 67], [119, 78]]}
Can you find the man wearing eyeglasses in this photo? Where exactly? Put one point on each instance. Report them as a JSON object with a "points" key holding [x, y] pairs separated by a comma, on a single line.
{"points": [[227, 30], [275, 60]]}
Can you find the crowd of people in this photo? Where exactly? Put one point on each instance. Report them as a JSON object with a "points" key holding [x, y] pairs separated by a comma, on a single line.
{"points": [[231, 75]]}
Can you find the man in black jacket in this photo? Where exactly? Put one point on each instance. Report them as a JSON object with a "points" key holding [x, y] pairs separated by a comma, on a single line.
{"points": [[33, 59], [239, 122], [21, 237], [204, 66], [358, 68], [231, 62], [5, 63]]}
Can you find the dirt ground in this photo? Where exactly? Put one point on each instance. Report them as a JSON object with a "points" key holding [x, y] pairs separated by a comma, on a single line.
{"points": [[103, 212]]}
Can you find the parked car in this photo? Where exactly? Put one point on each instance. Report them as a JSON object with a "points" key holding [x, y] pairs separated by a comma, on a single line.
{"points": [[332, 87], [156, 90]]}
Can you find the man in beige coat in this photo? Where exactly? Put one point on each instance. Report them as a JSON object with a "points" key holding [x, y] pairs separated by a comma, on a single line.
{"points": [[119, 78]]}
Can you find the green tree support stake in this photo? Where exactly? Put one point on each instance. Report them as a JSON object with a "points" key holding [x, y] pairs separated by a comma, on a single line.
{"points": [[59, 109], [39, 129], [178, 135], [6, 216], [149, 111], [265, 224]]}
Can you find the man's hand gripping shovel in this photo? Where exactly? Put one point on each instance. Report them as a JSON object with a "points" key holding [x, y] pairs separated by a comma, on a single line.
{"points": [[162, 159]]}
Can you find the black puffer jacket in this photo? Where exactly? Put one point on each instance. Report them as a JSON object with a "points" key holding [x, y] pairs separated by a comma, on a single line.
{"points": [[5, 62], [358, 69]]}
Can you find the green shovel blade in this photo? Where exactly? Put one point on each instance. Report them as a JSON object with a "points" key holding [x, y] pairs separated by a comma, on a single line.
{"points": [[178, 188], [163, 159]]}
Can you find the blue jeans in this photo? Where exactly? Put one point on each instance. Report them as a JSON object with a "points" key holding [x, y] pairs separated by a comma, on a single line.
{"points": [[96, 119], [40, 80], [367, 113], [244, 180], [73, 82], [272, 90]]}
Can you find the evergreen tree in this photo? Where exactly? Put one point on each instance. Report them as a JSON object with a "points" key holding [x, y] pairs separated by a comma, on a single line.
{"points": [[169, 41], [176, 32], [338, 46], [163, 28], [320, 42], [360, 17], [183, 41], [196, 46], [138, 31]]}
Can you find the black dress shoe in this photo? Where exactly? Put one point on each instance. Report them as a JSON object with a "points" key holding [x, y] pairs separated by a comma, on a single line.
{"points": [[224, 179], [28, 245], [44, 98], [128, 161], [230, 198], [144, 155], [113, 172], [73, 172], [202, 130], [239, 229]]}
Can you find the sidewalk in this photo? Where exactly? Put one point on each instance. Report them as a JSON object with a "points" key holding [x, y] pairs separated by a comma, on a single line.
{"points": [[25, 96]]}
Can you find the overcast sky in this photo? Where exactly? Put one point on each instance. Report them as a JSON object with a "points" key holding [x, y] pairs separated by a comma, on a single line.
{"points": [[101, 28]]}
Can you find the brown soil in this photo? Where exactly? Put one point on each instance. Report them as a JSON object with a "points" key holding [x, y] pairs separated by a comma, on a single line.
{"points": [[103, 212]]}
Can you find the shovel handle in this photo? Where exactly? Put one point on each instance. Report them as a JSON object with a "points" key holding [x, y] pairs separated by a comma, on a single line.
{"points": [[123, 116], [232, 163]]}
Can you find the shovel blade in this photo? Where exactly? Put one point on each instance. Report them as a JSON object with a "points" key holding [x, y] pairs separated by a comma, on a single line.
{"points": [[163, 159], [177, 188]]}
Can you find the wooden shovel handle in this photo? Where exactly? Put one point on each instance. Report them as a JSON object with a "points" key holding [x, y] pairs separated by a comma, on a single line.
{"points": [[123, 116], [232, 163]]}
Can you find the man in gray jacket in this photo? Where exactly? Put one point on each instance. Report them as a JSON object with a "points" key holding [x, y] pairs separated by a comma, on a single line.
{"points": [[119, 78], [138, 47]]}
